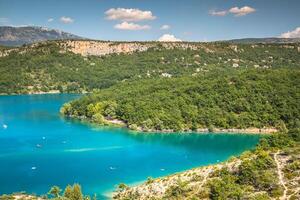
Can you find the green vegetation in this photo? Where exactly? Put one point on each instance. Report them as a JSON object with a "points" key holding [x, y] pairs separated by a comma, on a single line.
{"points": [[219, 85], [223, 99], [46, 66], [55, 193], [254, 175], [257, 173]]}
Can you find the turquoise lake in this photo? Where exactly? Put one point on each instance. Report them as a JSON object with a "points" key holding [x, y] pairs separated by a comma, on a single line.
{"points": [[39, 149]]}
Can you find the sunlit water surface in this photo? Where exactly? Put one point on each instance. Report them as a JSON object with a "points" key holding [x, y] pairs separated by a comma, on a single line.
{"points": [[38, 149]]}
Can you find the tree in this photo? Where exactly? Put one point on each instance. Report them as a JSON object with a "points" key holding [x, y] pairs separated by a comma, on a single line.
{"points": [[66, 109], [98, 118], [122, 186], [68, 192], [110, 109], [282, 127], [54, 191], [77, 194]]}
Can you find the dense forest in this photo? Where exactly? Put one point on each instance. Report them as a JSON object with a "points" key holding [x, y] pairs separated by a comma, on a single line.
{"points": [[46, 67], [219, 98]]}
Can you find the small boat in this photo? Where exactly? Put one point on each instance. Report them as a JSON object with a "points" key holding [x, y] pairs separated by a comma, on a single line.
{"points": [[5, 126], [43, 138], [39, 146], [33, 168], [112, 168], [162, 169]]}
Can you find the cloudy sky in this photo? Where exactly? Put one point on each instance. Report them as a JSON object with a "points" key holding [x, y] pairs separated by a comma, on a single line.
{"points": [[191, 20]]}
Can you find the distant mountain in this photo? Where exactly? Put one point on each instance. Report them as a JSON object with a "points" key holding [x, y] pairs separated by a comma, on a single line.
{"points": [[265, 40], [16, 36]]}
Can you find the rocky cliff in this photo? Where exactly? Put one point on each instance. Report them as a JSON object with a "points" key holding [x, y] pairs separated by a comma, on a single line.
{"points": [[99, 48]]}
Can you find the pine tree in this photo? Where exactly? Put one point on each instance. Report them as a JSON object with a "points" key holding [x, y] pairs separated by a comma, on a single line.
{"points": [[54, 191], [77, 194], [68, 192]]}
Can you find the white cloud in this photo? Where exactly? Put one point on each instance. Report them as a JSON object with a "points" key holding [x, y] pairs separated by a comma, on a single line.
{"points": [[50, 20], [66, 20], [131, 26], [165, 27], [291, 34], [168, 38], [131, 14], [218, 13], [241, 11]]}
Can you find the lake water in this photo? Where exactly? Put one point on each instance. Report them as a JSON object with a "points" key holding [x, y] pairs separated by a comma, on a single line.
{"points": [[38, 149]]}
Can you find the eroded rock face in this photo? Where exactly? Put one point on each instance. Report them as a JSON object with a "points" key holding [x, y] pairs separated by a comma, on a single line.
{"points": [[98, 48]]}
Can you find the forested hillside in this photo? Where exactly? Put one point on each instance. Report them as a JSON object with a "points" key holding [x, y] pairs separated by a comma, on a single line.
{"points": [[47, 67], [222, 98]]}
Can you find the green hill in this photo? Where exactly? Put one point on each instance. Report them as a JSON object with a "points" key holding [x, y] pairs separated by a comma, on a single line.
{"points": [[48, 67]]}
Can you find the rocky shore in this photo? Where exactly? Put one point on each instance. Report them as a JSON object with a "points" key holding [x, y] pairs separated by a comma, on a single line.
{"points": [[158, 188]]}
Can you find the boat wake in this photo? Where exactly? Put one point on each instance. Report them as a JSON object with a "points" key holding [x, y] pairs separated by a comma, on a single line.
{"points": [[94, 149]]}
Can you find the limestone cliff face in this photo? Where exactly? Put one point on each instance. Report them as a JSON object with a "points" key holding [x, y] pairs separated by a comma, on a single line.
{"points": [[98, 48]]}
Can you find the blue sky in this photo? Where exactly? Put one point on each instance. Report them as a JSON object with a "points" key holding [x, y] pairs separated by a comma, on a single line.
{"points": [[193, 20]]}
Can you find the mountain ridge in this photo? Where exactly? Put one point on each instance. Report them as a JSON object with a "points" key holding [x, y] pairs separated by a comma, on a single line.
{"points": [[17, 36], [267, 40]]}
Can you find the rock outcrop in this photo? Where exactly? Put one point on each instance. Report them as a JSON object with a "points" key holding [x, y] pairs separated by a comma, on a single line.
{"points": [[99, 48]]}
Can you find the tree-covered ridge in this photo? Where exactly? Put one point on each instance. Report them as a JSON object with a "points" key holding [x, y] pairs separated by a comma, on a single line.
{"points": [[47, 67], [221, 98]]}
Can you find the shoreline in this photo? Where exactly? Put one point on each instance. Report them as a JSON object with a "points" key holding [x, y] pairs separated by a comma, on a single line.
{"points": [[158, 186], [42, 93], [255, 131], [122, 124], [116, 123]]}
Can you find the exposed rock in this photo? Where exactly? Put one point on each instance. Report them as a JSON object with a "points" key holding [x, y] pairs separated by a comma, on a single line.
{"points": [[166, 75], [235, 65], [234, 48], [98, 48]]}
